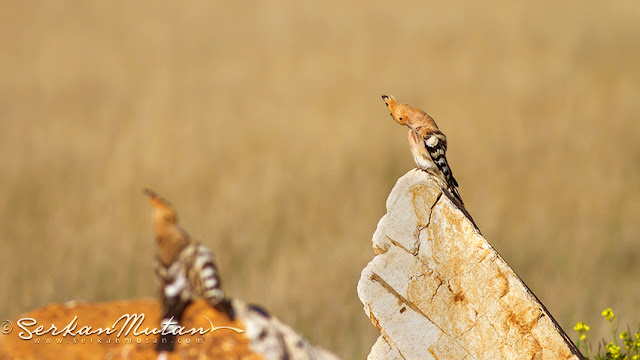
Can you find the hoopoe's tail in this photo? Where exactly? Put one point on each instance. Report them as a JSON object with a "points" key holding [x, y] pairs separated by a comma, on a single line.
{"points": [[456, 194]]}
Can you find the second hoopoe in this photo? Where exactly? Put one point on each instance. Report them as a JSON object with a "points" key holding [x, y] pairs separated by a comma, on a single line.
{"points": [[186, 270], [428, 144]]}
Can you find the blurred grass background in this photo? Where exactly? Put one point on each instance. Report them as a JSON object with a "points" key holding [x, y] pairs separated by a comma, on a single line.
{"points": [[262, 122]]}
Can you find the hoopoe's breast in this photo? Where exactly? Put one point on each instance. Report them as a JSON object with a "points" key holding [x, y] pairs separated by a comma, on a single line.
{"points": [[420, 154]]}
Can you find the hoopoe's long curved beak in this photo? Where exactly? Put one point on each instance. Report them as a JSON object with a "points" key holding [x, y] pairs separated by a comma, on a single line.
{"points": [[414, 130]]}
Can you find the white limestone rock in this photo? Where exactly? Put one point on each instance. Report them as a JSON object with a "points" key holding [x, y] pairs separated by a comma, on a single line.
{"points": [[438, 290]]}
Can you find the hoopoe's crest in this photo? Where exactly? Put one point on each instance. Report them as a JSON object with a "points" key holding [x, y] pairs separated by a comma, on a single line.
{"points": [[186, 270], [427, 143], [170, 238]]}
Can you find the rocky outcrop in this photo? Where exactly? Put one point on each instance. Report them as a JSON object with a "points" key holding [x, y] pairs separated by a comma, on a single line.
{"points": [[438, 290], [254, 335]]}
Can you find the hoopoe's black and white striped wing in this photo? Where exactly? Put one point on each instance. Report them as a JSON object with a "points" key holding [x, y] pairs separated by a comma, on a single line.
{"points": [[205, 276], [205, 279], [436, 145], [193, 274]]}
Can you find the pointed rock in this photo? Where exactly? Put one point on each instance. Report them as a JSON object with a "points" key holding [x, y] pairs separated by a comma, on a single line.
{"points": [[438, 290]]}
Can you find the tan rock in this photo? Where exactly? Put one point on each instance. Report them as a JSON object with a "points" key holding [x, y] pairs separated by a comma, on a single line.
{"points": [[438, 290], [265, 336], [223, 344]]}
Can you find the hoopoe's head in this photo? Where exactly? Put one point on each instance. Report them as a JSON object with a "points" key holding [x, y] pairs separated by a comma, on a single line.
{"points": [[395, 109], [408, 115], [170, 238], [163, 213]]}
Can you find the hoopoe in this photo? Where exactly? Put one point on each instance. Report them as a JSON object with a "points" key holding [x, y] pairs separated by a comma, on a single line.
{"points": [[428, 144], [186, 270]]}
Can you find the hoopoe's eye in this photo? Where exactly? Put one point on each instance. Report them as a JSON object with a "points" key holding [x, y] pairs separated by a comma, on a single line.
{"points": [[400, 118], [386, 103]]}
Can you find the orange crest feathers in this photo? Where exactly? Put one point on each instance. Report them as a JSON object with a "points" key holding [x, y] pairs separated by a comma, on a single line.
{"points": [[390, 101], [394, 107], [162, 209]]}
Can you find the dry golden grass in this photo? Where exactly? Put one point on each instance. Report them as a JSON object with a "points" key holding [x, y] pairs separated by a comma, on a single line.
{"points": [[263, 123]]}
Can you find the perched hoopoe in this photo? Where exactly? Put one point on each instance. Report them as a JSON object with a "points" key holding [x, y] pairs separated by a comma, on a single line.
{"points": [[428, 144], [186, 270]]}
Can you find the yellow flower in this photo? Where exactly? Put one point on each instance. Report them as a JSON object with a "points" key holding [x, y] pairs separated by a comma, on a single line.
{"points": [[608, 314], [583, 336], [613, 350], [580, 327]]}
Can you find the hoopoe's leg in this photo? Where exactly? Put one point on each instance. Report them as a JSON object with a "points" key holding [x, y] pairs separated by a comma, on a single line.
{"points": [[174, 302]]}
